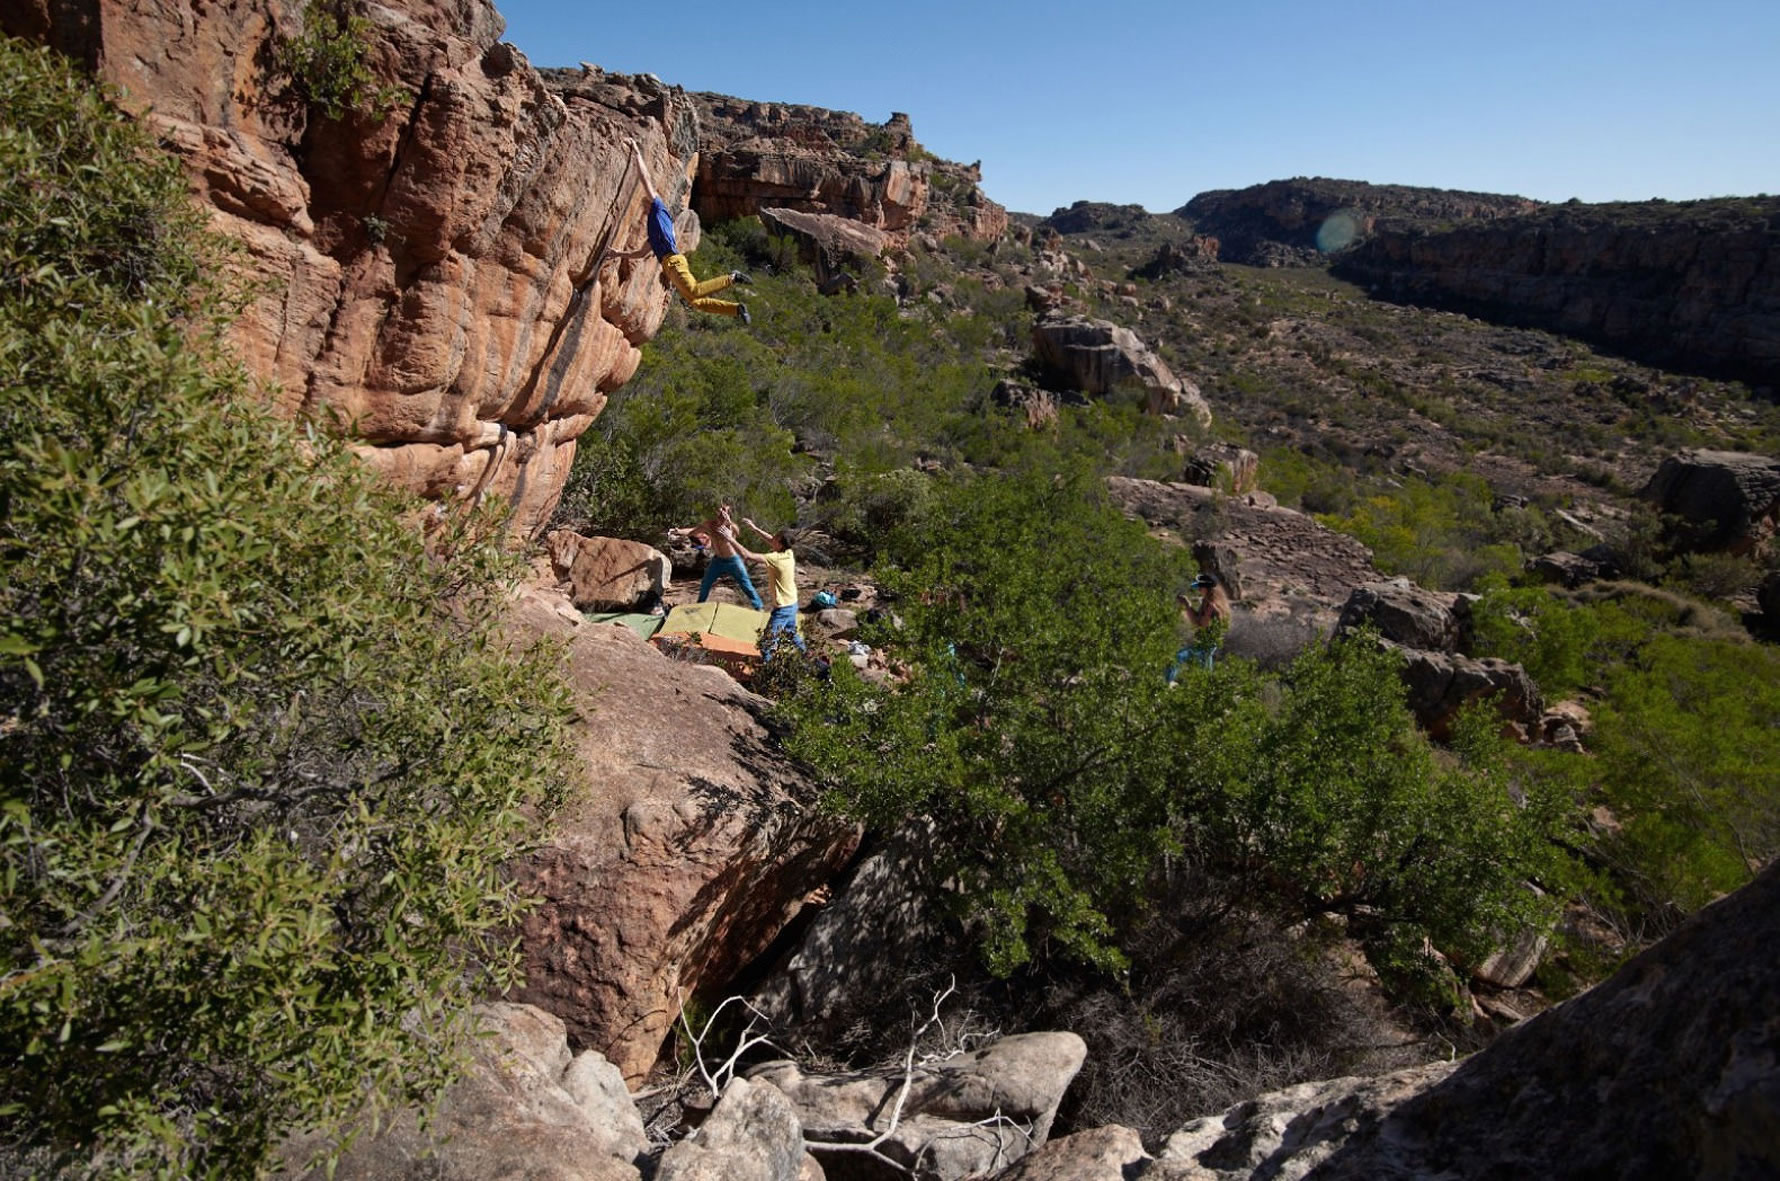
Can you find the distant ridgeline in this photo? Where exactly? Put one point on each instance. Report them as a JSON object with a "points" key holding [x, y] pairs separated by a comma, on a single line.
{"points": [[1296, 222], [1691, 285], [1686, 285]]}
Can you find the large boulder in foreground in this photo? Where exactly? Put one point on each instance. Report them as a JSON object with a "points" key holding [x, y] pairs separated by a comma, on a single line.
{"points": [[964, 1116], [1287, 1134], [527, 1107], [751, 1135], [691, 846], [1729, 500], [1669, 1068], [1098, 357]]}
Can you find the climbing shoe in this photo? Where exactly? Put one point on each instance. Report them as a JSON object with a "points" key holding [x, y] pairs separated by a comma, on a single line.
{"points": [[741, 278], [742, 311]]}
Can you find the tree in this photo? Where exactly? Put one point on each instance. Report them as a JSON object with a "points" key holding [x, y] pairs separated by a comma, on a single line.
{"points": [[261, 755], [1037, 733]]}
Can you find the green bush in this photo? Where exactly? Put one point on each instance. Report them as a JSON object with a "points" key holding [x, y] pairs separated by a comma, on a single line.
{"points": [[261, 757], [1684, 750], [1039, 736], [328, 67]]}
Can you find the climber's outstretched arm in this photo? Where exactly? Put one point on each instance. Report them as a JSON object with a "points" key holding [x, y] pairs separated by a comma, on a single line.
{"points": [[636, 150]]}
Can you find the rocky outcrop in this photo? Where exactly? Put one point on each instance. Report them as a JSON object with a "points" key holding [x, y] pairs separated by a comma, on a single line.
{"points": [[1666, 1069], [1228, 468], [856, 952], [691, 846], [965, 1116], [1099, 357], [1293, 574], [1727, 500], [1196, 255], [608, 573], [526, 1107], [781, 155], [427, 280], [1427, 627], [1693, 285], [1403, 613], [1286, 1134], [1296, 222], [831, 245]]}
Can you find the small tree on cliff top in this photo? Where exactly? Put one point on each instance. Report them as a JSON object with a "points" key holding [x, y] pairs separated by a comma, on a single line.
{"points": [[256, 781]]}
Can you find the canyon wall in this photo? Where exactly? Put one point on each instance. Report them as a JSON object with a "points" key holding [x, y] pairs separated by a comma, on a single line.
{"points": [[1279, 223], [813, 160], [1687, 285], [434, 280]]}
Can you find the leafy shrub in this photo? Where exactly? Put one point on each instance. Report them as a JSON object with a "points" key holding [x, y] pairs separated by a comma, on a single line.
{"points": [[258, 772], [1038, 734], [1684, 744], [328, 67]]}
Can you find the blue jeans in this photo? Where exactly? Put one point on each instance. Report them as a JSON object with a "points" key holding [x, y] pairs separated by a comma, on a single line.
{"points": [[783, 619], [733, 567], [1191, 654]]}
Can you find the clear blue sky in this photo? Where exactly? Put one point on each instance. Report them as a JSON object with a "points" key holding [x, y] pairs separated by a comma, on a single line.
{"points": [[1116, 100]]}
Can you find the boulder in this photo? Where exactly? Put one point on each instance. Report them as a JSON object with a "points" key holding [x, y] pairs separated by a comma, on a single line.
{"points": [[963, 1116], [436, 278], [1567, 569], [1730, 500], [831, 244], [1100, 1154], [1442, 683], [1222, 562], [608, 573], [1291, 574], [751, 1135], [836, 623], [1224, 466], [853, 958], [1285, 1135], [1197, 255], [527, 1107], [1669, 1068], [1038, 406], [1098, 357], [756, 155], [688, 848], [1512, 966], [1404, 614]]}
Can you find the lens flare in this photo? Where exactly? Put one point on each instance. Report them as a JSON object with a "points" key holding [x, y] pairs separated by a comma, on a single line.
{"points": [[1338, 231]]}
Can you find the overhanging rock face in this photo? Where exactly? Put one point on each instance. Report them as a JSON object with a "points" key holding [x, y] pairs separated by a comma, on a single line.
{"points": [[426, 279]]}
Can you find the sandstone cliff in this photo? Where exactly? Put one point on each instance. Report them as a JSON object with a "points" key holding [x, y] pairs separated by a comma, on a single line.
{"points": [[428, 279], [1692, 285], [813, 160], [1278, 223]]}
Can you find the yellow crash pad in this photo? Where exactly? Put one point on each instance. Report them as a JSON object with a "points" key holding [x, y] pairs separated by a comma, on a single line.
{"points": [[721, 627]]}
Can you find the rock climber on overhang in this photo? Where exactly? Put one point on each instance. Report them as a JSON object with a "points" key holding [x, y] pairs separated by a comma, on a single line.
{"points": [[660, 224]]}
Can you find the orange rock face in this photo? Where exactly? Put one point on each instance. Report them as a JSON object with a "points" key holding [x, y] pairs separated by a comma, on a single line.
{"points": [[433, 280], [691, 846]]}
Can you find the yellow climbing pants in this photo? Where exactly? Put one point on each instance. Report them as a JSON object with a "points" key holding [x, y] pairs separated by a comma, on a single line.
{"points": [[696, 293]]}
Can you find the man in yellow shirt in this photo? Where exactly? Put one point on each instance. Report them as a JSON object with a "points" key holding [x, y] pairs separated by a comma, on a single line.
{"points": [[781, 579]]}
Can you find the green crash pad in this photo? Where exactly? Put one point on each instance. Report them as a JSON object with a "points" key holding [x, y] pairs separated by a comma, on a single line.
{"points": [[644, 625]]}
